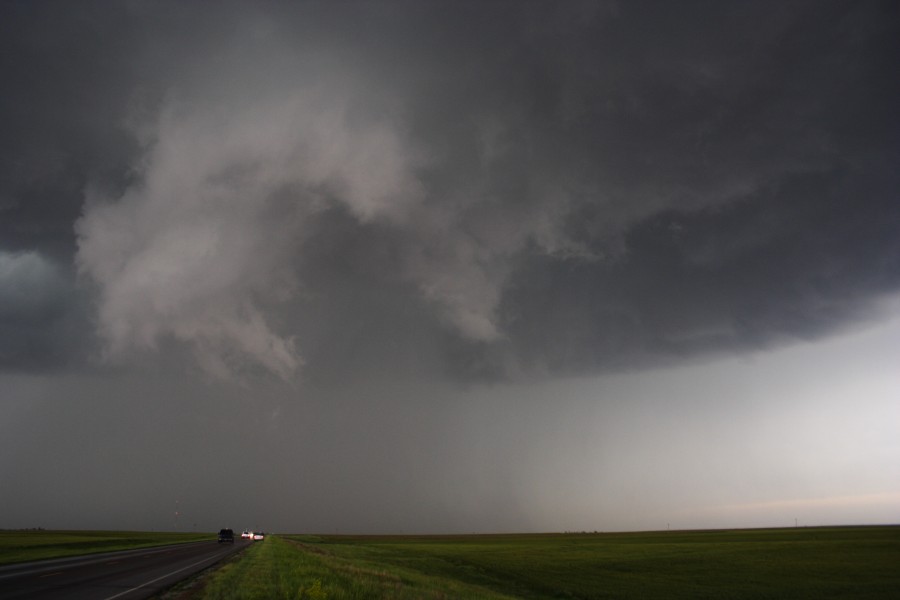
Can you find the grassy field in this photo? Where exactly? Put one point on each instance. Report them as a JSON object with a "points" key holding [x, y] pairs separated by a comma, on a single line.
{"points": [[835, 562], [23, 546], [280, 567]]}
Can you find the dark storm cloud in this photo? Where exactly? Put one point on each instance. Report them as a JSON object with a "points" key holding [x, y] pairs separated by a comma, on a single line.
{"points": [[64, 78], [348, 216], [485, 189], [786, 266]]}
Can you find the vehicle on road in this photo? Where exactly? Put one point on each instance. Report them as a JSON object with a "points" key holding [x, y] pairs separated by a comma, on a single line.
{"points": [[258, 536], [226, 536], [246, 534]]}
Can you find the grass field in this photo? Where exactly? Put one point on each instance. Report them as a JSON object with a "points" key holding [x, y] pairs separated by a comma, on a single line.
{"points": [[23, 546], [834, 562]]}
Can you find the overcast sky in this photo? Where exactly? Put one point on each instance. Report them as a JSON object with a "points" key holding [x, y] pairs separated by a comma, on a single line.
{"points": [[449, 266]]}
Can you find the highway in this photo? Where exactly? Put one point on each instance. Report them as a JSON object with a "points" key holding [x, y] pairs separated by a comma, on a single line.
{"points": [[126, 575]]}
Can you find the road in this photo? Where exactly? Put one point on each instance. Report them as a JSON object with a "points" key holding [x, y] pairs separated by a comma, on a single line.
{"points": [[127, 575]]}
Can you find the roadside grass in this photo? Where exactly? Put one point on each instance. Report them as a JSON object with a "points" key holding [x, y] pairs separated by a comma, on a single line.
{"points": [[831, 562], [280, 568], [24, 546]]}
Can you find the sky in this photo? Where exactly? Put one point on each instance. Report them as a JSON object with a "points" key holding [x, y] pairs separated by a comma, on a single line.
{"points": [[449, 267]]}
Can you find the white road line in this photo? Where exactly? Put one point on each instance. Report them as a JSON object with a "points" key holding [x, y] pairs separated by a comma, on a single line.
{"points": [[146, 583]]}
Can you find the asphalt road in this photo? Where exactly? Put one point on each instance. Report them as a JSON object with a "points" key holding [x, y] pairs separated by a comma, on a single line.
{"points": [[126, 575]]}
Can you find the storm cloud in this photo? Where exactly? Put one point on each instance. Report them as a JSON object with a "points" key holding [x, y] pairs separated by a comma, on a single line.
{"points": [[328, 196], [537, 176]]}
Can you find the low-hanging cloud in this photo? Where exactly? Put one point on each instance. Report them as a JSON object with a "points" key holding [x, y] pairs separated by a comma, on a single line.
{"points": [[202, 242], [202, 247]]}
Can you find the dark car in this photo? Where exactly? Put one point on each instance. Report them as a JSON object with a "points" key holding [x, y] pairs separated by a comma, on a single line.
{"points": [[226, 535]]}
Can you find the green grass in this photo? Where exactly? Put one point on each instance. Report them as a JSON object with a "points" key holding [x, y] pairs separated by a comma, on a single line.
{"points": [[281, 568], [834, 562], [23, 546]]}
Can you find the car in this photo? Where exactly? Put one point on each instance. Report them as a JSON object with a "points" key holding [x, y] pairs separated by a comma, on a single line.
{"points": [[226, 536], [246, 534], [259, 536]]}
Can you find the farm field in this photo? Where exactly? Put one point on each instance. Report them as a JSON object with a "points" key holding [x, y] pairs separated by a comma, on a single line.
{"points": [[24, 546], [832, 562]]}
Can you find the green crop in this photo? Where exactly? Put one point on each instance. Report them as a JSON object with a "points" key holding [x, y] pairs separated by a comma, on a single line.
{"points": [[835, 562], [23, 546]]}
